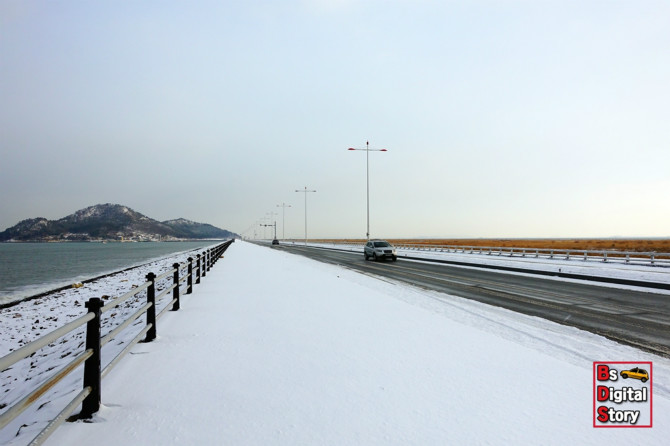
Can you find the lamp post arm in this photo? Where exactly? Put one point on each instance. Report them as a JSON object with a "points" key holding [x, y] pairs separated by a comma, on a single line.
{"points": [[367, 151]]}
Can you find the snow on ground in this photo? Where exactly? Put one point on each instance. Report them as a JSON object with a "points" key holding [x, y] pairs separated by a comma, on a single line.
{"points": [[26, 321], [274, 348]]}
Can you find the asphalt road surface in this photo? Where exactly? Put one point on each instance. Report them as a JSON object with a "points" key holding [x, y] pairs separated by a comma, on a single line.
{"points": [[640, 319]]}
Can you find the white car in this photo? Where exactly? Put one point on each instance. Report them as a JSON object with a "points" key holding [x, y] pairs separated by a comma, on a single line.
{"points": [[379, 249]]}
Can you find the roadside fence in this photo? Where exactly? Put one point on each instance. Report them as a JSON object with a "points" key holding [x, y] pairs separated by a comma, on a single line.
{"points": [[89, 397], [647, 258]]}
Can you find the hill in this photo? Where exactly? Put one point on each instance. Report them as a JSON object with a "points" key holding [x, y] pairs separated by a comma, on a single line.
{"points": [[110, 222]]}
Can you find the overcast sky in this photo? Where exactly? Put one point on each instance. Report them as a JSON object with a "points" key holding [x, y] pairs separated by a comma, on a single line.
{"points": [[502, 118]]}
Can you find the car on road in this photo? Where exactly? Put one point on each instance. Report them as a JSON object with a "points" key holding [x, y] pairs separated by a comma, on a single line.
{"points": [[275, 242], [379, 250], [636, 373]]}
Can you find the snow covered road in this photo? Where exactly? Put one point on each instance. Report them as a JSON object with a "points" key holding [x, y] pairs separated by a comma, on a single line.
{"points": [[278, 349]]}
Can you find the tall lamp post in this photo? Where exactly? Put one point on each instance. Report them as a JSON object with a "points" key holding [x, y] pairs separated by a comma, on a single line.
{"points": [[274, 225], [271, 218], [283, 220], [305, 191], [367, 150], [261, 222]]}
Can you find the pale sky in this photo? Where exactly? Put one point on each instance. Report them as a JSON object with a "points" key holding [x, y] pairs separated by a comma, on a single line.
{"points": [[502, 118]]}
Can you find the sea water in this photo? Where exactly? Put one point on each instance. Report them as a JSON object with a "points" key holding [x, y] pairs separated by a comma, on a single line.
{"points": [[27, 269]]}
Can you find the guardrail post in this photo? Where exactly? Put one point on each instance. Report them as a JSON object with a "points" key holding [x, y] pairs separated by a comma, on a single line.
{"points": [[197, 270], [605, 257], [204, 263], [92, 373], [209, 259], [151, 311], [652, 258], [189, 281], [175, 290]]}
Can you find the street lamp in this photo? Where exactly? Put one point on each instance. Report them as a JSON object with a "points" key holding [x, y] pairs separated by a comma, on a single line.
{"points": [[283, 220], [261, 222], [305, 191], [274, 225], [272, 217], [367, 150]]}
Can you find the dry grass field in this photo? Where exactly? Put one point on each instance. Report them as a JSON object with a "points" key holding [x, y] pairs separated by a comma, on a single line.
{"points": [[636, 245]]}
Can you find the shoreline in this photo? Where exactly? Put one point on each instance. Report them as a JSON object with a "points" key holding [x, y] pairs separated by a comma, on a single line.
{"points": [[67, 287], [57, 289], [118, 241]]}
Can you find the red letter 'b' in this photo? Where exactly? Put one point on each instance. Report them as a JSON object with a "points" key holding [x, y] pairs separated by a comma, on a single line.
{"points": [[603, 373]]}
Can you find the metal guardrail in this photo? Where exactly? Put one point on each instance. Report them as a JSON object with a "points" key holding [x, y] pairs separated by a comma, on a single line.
{"points": [[651, 258], [90, 396]]}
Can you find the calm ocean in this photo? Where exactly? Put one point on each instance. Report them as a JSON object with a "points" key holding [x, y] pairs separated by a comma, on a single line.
{"points": [[27, 269]]}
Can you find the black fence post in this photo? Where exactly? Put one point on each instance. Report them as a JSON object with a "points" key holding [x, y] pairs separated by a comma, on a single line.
{"points": [[92, 373], [189, 282], [151, 311], [197, 270], [205, 262], [209, 259], [175, 290]]}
